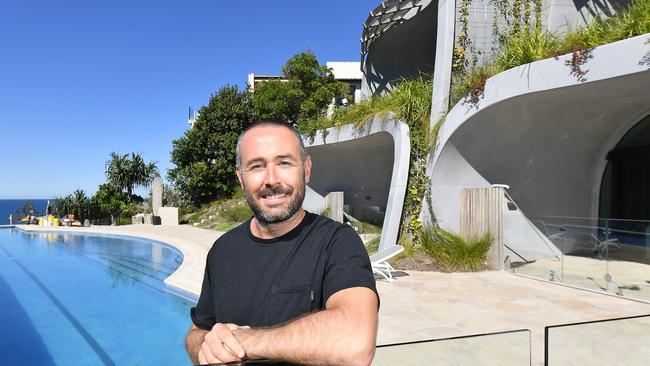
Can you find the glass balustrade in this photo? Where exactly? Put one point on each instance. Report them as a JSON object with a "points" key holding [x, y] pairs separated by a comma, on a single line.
{"points": [[504, 349], [601, 254], [622, 341]]}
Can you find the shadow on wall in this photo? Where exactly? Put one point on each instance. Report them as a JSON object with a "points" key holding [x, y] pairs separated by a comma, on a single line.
{"points": [[405, 51], [361, 168], [599, 7]]}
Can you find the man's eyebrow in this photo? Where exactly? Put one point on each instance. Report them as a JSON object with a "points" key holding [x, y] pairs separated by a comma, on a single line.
{"points": [[256, 160], [287, 156]]}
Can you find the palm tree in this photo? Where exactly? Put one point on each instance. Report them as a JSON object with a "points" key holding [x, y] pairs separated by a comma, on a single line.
{"points": [[63, 205], [80, 204], [128, 173]]}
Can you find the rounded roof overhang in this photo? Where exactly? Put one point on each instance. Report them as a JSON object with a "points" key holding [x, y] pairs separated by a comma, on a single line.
{"points": [[388, 15]]}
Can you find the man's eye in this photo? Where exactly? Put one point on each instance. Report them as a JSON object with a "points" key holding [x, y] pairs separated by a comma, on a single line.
{"points": [[255, 167], [285, 163]]}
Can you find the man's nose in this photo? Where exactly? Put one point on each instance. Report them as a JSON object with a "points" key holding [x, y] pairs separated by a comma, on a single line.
{"points": [[271, 175]]}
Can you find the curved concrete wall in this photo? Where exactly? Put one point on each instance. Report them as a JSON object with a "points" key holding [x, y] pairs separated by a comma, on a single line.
{"points": [[543, 132], [404, 51], [370, 166]]}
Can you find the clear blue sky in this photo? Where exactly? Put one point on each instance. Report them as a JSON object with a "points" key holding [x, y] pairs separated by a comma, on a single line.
{"points": [[80, 79]]}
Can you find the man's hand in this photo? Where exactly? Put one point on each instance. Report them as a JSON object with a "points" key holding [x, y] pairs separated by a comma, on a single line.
{"points": [[344, 333], [220, 345], [216, 346]]}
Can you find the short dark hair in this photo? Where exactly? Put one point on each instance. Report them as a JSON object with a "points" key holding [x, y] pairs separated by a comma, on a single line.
{"points": [[271, 123]]}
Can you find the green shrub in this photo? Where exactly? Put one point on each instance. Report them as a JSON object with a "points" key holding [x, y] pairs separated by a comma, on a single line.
{"points": [[195, 217], [372, 246], [127, 212], [236, 213], [453, 252], [123, 220]]}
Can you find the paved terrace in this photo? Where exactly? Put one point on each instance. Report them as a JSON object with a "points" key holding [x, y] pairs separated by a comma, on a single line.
{"points": [[423, 305]]}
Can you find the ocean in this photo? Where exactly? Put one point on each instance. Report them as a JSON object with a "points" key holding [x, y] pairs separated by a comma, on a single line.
{"points": [[9, 207]]}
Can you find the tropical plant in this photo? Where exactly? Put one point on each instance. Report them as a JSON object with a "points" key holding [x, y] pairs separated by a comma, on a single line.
{"points": [[108, 201], [128, 172], [302, 97], [80, 204], [63, 205], [204, 157], [453, 252]]}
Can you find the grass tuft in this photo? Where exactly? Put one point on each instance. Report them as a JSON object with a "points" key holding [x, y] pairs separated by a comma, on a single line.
{"points": [[454, 253], [527, 47]]}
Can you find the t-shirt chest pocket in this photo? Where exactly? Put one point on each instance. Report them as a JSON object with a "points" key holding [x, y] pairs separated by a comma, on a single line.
{"points": [[291, 301]]}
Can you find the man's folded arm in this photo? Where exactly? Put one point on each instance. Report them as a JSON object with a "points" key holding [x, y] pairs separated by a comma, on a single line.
{"points": [[344, 333], [193, 342]]}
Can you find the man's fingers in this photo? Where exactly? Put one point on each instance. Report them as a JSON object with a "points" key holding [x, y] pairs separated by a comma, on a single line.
{"points": [[202, 359], [208, 354], [233, 346], [232, 326], [230, 343], [223, 345]]}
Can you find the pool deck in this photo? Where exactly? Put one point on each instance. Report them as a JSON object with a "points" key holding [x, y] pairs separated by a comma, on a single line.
{"points": [[422, 305]]}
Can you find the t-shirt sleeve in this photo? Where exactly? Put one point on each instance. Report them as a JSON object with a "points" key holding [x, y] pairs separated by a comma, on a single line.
{"points": [[348, 264], [203, 313]]}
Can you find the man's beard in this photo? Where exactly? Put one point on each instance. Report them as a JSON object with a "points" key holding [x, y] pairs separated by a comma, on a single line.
{"points": [[291, 207]]}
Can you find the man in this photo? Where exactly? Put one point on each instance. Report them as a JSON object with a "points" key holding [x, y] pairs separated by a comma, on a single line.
{"points": [[286, 285]]}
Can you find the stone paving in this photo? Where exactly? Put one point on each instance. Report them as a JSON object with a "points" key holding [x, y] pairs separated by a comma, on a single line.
{"points": [[430, 305], [425, 305]]}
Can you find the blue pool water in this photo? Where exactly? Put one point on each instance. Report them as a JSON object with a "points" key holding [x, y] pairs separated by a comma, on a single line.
{"points": [[88, 300]]}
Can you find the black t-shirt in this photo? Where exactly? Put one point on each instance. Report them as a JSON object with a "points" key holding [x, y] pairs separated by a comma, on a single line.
{"points": [[264, 282]]}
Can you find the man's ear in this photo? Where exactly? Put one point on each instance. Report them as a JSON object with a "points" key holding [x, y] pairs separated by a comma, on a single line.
{"points": [[238, 172], [307, 168]]}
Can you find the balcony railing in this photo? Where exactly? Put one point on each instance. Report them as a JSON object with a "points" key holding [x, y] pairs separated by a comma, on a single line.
{"points": [[602, 254], [504, 348]]}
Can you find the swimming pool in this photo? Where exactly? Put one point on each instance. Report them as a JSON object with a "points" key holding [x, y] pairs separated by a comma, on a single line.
{"points": [[88, 300]]}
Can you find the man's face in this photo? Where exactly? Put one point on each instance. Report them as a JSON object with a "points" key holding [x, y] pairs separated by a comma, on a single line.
{"points": [[272, 173]]}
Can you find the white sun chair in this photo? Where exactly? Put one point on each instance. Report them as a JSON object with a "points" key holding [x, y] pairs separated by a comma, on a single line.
{"points": [[380, 263]]}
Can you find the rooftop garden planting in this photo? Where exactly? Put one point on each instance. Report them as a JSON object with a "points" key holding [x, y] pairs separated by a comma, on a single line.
{"points": [[524, 43]]}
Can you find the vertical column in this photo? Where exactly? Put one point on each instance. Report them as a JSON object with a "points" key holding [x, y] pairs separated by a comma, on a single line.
{"points": [[334, 201]]}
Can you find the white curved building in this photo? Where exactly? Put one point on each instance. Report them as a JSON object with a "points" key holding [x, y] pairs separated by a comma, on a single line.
{"points": [[566, 145]]}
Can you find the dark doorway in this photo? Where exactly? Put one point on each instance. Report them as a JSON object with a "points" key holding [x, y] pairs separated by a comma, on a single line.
{"points": [[625, 191], [630, 183]]}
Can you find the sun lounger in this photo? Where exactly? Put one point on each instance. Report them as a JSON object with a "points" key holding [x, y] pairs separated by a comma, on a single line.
{"points": [[380, 263]]}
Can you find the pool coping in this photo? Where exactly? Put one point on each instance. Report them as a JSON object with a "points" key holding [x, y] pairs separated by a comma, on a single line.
{"points": [[186, 280]]}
